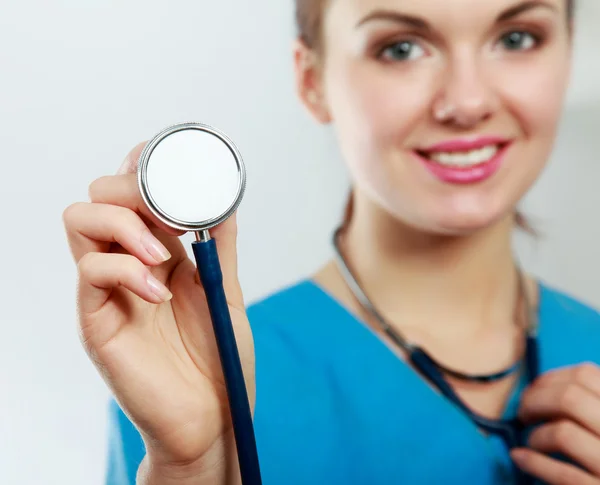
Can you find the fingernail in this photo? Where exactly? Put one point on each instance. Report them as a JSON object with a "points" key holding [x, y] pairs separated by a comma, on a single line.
{"points": [[158, 289], [154, 247]]}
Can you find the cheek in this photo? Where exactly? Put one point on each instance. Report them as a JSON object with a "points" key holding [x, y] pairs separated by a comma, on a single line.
{"points": [[375, 104], [534, 93], [375, 111]]}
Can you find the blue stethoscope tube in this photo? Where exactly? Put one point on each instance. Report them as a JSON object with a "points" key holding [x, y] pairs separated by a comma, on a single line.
{"points": [[209, 269], [511, 431]]}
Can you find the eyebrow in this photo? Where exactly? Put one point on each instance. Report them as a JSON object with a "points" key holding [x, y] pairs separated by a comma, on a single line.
{"points": [[419, 23], [522, 8]]}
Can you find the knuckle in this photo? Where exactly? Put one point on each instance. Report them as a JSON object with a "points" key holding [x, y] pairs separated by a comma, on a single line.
{"points": [[130, 218], [128, 266], [586, 373], [565, 433], [70, 213], [128, 225], [570, 398], [133, 264], [94, 189], [87, 263], [122, 221]]}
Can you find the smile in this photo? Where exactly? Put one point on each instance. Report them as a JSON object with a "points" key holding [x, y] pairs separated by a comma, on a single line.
{"points": [[464, 161]]}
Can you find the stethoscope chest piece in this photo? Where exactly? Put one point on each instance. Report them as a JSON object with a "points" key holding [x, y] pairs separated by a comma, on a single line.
{"points": [[191, 176]]}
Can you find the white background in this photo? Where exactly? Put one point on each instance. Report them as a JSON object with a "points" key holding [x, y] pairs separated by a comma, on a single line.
{"points": [[82, 82]]}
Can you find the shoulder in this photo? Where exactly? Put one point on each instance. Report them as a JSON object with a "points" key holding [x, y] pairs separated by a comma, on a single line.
{"points": [[285, 301], [298, 308], [575, 311], [569, 327], [293, 324]]}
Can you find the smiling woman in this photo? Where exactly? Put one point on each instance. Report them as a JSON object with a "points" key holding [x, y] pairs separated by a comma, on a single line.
{"points": [[423, 353], [386, 61]]}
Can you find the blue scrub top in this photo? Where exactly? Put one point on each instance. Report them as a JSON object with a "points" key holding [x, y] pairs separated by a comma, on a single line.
{"points": [[336, 406]]}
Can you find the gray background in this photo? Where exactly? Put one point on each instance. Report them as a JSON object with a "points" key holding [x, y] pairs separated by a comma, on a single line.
{"points": [[82, 82]]}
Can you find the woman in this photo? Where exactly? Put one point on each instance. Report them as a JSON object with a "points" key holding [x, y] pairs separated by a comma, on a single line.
{"points": [[446, 112]]}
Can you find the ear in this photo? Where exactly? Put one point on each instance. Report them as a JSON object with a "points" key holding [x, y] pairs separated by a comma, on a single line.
{"points": [[309, 82]]}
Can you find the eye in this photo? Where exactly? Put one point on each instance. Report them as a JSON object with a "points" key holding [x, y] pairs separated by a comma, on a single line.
{"points": [[519, 41], [405, 50]]}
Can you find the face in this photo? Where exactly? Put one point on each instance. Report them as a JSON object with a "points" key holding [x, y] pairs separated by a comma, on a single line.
{"points": [[445, 110]]}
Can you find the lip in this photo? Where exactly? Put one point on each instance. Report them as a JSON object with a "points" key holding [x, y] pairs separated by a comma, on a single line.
{"points": [[465, 144], [466, 175]]}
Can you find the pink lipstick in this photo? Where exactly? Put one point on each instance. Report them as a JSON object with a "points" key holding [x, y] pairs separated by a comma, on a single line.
{"points": [[465, 160]]}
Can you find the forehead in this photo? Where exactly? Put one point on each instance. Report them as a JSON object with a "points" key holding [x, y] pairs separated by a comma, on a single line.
{"points": [[457, 13]]}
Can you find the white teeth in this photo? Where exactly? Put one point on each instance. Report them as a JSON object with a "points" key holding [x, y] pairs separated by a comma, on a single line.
{"points": [[464, 159]]}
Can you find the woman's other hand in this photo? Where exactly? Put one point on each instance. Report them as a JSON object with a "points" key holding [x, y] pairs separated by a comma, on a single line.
{"points": [[568, 402]]}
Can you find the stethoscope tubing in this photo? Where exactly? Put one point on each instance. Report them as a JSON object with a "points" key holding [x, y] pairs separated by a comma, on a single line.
{"points": [[510, 431], [209, 269]]}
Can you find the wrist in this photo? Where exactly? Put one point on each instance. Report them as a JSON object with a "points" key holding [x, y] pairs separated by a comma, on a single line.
{"points": [[219, 466], [150, 473]]}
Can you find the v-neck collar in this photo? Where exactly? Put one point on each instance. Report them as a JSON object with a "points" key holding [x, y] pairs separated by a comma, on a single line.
{"points": [[353, 331]]}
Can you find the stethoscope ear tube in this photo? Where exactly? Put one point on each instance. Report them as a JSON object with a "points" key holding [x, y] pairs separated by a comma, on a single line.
{"points": [[209, 269], [511, 431], [532, 358]]}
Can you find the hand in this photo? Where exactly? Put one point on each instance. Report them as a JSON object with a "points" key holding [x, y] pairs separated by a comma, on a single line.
{"points": [[568, 400], [145, 324]]}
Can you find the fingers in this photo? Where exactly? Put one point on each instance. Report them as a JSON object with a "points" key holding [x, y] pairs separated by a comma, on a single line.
{"points": [[569, 400], [115, 215], [587, 375], [118, 214], [571, 440], [95, 226], [123, 190], [549, 470], [100, 273]]}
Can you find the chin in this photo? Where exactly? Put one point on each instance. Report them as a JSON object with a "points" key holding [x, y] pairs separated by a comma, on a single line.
{"points": [[466, 211], [464, 223]]}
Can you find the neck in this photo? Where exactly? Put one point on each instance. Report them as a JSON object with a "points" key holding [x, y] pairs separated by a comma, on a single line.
{"points": [[430, 285]]}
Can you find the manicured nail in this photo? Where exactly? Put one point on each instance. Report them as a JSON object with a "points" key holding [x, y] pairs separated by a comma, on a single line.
{"points": [[155, 248], [158, 289]]}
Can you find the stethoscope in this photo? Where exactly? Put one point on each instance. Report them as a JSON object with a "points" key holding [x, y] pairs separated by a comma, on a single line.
{"points": [[512, 431], [192, 178]]}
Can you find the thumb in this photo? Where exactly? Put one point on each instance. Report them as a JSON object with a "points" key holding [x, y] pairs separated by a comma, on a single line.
{"points": [[130, 164]]}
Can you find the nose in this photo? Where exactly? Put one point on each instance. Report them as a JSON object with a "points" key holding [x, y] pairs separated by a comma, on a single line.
{"points": [[466, 97]]}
